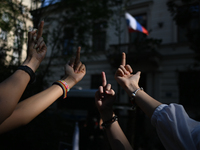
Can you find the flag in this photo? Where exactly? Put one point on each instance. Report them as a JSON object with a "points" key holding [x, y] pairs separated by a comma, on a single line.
{"points": [[133, 25]]}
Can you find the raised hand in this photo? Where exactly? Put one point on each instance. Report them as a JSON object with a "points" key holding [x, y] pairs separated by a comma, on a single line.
{"points": [[104, 99], [36, 48], [75, 70], [124, 77]]}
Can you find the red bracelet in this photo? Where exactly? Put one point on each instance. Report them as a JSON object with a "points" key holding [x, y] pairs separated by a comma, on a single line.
{"points": [[64, 87]]}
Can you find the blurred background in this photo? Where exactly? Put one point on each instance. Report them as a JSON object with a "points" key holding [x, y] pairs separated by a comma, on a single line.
{"points": [[168, 59]]}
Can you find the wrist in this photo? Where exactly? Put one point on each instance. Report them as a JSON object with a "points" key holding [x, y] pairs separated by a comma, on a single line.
{"points": [[130, 89], [29, 71], [70, 81], [32, 63], [108, 123], [106, 115]]}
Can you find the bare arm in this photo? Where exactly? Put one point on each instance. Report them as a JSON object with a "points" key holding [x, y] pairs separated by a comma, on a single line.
{"points": [[130, 84], [28, 109], [13, 87], [104, 99]]}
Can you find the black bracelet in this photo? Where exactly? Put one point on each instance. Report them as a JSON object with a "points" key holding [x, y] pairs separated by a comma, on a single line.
{"points": [[109, 122], [29, 71]]}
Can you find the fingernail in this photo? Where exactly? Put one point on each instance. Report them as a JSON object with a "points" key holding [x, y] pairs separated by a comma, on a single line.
{"points": [[34, 29], [35, 46]]}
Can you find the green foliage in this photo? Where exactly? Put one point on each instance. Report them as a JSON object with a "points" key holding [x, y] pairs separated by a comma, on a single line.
{"points": [[187, 16], [116, 20], [76, 21], [81, 16], [13, 25]]}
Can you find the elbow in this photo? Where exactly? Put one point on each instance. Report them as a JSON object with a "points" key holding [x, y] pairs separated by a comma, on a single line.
{"points": [[20, 118], [3, 117], [24, 121]]}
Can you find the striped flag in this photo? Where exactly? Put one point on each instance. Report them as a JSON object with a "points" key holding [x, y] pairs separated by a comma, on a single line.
{"points": [[133, 25]]}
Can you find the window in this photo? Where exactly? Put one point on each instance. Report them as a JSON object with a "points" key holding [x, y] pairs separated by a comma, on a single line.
{"points": [[99, 41], [99, 36], [68, 41], [189, 85], [142, 19], [95, 81], [182, 34], [191, 15]]}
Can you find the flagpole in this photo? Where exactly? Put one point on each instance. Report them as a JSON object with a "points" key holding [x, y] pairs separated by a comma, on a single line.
{"points": [[75, 143]]}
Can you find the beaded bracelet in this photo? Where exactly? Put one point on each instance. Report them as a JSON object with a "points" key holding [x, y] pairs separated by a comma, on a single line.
{"points": [[64, 86], [29, 71], [109, 122]]}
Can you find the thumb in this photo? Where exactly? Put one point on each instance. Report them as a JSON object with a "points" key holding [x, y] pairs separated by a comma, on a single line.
{"points": [[138, 73], [110, 92]]}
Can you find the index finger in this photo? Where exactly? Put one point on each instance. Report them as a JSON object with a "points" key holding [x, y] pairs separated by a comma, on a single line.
{"points": [[40, 29], [78, 55], [123, 59], [104, 82]]}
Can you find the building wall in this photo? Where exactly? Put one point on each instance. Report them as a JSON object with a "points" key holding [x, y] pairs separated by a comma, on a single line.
{"points": [[161, 83]]}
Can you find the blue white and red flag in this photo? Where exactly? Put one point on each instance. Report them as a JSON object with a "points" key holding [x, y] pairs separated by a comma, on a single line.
{"points": [[133, 25]]}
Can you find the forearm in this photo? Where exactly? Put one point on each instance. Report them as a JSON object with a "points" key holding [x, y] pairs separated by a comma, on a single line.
{"points": [[13, 87], [28, 109], [144, 101], [116, 137], [11, 90]]}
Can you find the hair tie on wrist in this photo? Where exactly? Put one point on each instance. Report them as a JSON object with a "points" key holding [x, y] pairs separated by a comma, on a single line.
{"points": [[29, 71], [109, 122], [64, 86]]}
